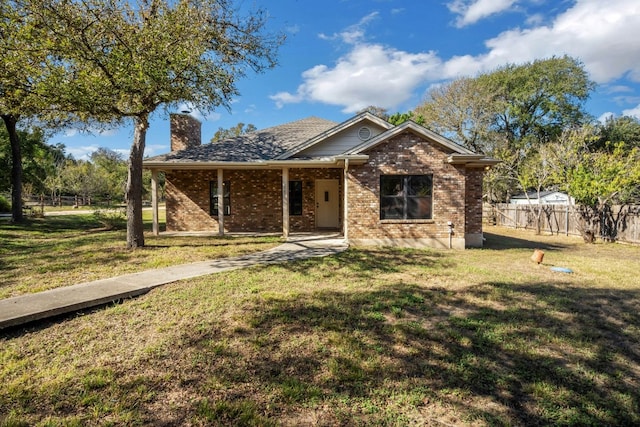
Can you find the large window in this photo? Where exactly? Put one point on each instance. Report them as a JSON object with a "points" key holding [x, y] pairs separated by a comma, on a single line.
{"points": [[295, 197], [406, 196], [213, 197]]}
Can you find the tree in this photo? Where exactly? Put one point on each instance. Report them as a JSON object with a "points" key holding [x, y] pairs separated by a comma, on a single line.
{"points": [[511, 111], [125, 59], [536, 174], [625, 128], [83, 179], [376, 111], [20, 70], [232, 132], [460, 110], [399, 118], [39, 160], [112, 170], [596, 179]]}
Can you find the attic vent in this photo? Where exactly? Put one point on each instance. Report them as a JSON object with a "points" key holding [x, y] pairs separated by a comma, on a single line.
{"points": [[364, 133]]}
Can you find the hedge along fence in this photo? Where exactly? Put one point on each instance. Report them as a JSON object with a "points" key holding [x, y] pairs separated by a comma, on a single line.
{"points": [[623, 222]]}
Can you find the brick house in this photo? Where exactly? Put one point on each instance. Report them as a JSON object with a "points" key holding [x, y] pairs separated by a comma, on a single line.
{"points": [[374, 182]]}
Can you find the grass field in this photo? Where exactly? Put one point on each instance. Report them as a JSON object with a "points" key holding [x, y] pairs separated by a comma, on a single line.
{"points": [[372, 336], [46, 253]]}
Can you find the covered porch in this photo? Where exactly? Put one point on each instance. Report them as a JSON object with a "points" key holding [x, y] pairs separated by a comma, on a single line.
{"points": [[274, 197]]}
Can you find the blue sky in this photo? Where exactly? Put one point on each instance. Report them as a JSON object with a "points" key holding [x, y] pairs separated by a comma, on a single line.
{"points": [[343, 55]]}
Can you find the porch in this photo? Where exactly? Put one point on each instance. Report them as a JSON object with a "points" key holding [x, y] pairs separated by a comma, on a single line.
{"points": [[234, 201]]}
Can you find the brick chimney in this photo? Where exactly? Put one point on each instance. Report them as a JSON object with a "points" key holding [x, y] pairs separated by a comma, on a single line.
{"points": [[186, 131]]}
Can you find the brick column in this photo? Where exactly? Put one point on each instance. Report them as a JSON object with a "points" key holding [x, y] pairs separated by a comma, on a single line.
{"points": [[186, 132]]}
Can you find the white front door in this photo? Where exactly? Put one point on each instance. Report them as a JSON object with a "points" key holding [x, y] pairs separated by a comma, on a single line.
{"points": [[327, 203]]}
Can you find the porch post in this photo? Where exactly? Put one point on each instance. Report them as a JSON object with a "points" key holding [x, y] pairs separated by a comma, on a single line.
{"points": [[345, 192], [154, 202], [285, 202], [220, 202]]}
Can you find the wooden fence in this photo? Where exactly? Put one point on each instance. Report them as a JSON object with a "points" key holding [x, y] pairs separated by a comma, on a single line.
{"points": [[561, 219]]}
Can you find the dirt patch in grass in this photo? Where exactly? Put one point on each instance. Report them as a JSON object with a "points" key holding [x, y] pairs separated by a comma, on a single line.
{"points": [[367, 337]]}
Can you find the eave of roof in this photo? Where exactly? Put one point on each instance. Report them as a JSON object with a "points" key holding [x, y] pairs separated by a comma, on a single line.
{"points": [[472, 160], [328, 162]]}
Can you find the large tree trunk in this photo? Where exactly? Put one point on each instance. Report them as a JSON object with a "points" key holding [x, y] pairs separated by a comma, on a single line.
{"points": [[16, 168], [133, 194]]}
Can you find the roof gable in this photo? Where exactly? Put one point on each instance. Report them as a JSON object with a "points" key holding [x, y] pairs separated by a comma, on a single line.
{"points": [[415, 128], [314, 145]]}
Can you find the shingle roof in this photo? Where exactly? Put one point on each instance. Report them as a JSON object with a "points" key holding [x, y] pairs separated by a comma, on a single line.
{"points": [[265, 144]]}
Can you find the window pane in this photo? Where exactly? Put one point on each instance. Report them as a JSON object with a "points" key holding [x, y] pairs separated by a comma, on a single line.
{"points": [[419, 185], [391, 207], [419, 208], [391, 185], [213, 197], [295, 197]]}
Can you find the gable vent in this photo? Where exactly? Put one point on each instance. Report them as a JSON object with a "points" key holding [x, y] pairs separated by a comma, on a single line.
{"points": [[364, 133]]}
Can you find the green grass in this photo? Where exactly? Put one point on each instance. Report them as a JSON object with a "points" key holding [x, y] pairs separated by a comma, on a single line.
{"points": [[45, 253], [372, 336]]}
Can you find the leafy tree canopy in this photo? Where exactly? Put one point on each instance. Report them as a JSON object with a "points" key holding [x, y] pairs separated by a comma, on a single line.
{"points": [[399, 118], [510, 113], [376, 111], [621, 129], [125, 58], [232, 132]]}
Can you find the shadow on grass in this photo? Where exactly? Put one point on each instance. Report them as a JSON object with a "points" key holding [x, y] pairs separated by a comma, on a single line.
{"points": [[382, 352], [58, 224], [534, 354], [502, 242]]}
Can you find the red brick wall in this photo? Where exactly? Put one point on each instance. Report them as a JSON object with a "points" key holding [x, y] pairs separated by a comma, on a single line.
{"points": [[406, 154], [186, 131], [256, 200], [473, 201], [256, 196]]}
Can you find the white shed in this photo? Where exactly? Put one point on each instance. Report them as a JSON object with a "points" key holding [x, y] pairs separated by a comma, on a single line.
{"points": [[546, 198]]}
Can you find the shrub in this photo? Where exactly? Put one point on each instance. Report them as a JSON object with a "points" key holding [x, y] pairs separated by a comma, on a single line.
{"points": [[111, 219], [5, 206]]}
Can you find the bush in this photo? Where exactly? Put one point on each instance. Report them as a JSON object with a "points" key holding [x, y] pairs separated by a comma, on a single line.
{"points": [[111, 219], [5, 206]]}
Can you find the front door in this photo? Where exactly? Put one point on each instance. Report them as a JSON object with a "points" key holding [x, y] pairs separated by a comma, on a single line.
{"points": [[327, 203]]}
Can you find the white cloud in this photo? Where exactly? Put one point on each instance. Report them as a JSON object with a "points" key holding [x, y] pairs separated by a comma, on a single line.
{"points": [[633, 112], [618, 89], [293, 29], [353, 34], [370, 74], [606, 116], [535, 20], [197, 114], [91, 130], [282, 98], [149, 150], [471, 12], [596, 31], [83, 152]]}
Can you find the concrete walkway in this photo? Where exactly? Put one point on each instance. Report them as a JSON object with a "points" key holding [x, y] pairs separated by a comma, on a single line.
{"points": [[30, 307]]}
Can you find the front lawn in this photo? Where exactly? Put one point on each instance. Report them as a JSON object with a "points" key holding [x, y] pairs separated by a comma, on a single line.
{"points": [[372, 336], [45, 253]]}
